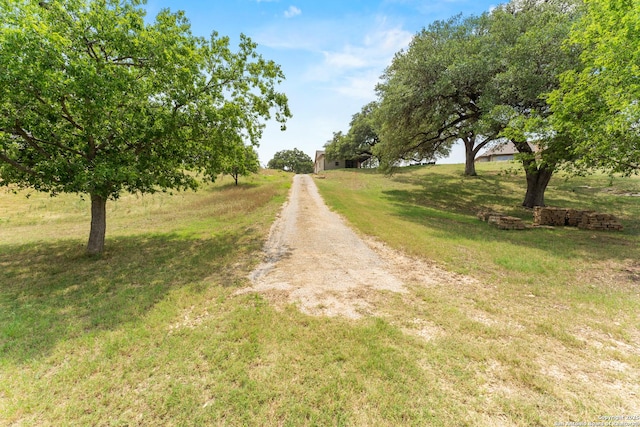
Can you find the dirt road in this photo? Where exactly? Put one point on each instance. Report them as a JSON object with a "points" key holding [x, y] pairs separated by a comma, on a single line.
{"points": [[313, 259]]}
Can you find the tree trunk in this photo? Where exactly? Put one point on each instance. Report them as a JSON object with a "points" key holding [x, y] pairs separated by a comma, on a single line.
{"points": [[469, 156], [98, 225], [538, 175], [470, 161], [471, 149], [537, 180]]}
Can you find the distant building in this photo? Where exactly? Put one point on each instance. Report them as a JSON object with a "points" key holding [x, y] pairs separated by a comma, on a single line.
{"points": [[322, 163], [501, 153]]}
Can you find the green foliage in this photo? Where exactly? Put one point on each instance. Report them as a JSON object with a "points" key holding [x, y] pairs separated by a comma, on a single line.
{"points": [[338, 147], [598, 103], [359, 142], [470, 78], [94, 100], [528, 40], [429, 94], [477, 79], [241, 161], [294, 161]]}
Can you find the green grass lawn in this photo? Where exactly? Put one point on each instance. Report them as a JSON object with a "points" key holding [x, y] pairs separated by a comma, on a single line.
{"points": [[151, 333]]}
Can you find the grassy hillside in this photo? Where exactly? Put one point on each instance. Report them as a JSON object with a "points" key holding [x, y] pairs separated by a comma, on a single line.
{"points": [[551, 332], [433, 210], [152, 333]]}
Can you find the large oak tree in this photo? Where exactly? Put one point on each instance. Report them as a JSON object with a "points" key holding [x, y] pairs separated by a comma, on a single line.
{"points": [[479, 79], [295, 161], [528, 37], [435, 93], [96, 101]]}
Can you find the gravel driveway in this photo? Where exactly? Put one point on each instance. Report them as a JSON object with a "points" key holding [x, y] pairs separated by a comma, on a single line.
{"points": [[313, 259]]}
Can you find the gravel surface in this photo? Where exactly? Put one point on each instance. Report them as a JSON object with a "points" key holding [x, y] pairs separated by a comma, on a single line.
{"points": [[313, 259]]}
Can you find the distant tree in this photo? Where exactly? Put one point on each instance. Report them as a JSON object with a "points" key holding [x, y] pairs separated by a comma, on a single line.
{"points": [[338, 147], [291, 161], [358, 142], [94, 100], [599, 103], [241, 161]]}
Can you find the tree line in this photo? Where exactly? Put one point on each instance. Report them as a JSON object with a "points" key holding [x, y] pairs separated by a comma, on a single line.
{"points": [[560, 79], [96, 101]]}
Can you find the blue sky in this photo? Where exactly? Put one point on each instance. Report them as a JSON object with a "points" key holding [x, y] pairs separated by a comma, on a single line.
{"points": [[332, 52]]}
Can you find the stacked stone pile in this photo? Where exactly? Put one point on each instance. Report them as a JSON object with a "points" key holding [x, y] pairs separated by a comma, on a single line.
{"points": [[574, 217], [485, 215], [600, 221], [549, 216], [584, 219], [509, 223], [503, 222]]}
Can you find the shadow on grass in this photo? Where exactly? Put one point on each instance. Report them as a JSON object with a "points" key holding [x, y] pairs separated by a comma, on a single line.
{"points": [[52, 292], [464, 195], [506, 190], [449, 204], [240, 186]]}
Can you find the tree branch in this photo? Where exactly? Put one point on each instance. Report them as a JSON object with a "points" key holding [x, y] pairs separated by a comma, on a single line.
{"points": [[61, 146], [34, 141], [91, 155], [135, 62], [439, 132], [19, 131], [67, 115], [19, 166], [127, 64], [206, 87], [90, 50], [487, 140], [104, 53]]}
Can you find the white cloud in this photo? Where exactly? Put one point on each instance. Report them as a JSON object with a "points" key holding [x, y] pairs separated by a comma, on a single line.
{"points": [[354, 69], [359, 85], [388, 41], [344, 60], [375, 49], [292, 11]]}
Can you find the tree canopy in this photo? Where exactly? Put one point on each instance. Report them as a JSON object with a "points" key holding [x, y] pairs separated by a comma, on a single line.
{"points": [[359, 142], [241, 161], [599, 103], [294, 161], [480, 79], [528, 37], [95, 101], [421, 106]]}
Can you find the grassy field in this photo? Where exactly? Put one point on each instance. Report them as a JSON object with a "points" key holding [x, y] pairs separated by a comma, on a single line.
{"points": [[551, 332], [152, 333]]}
